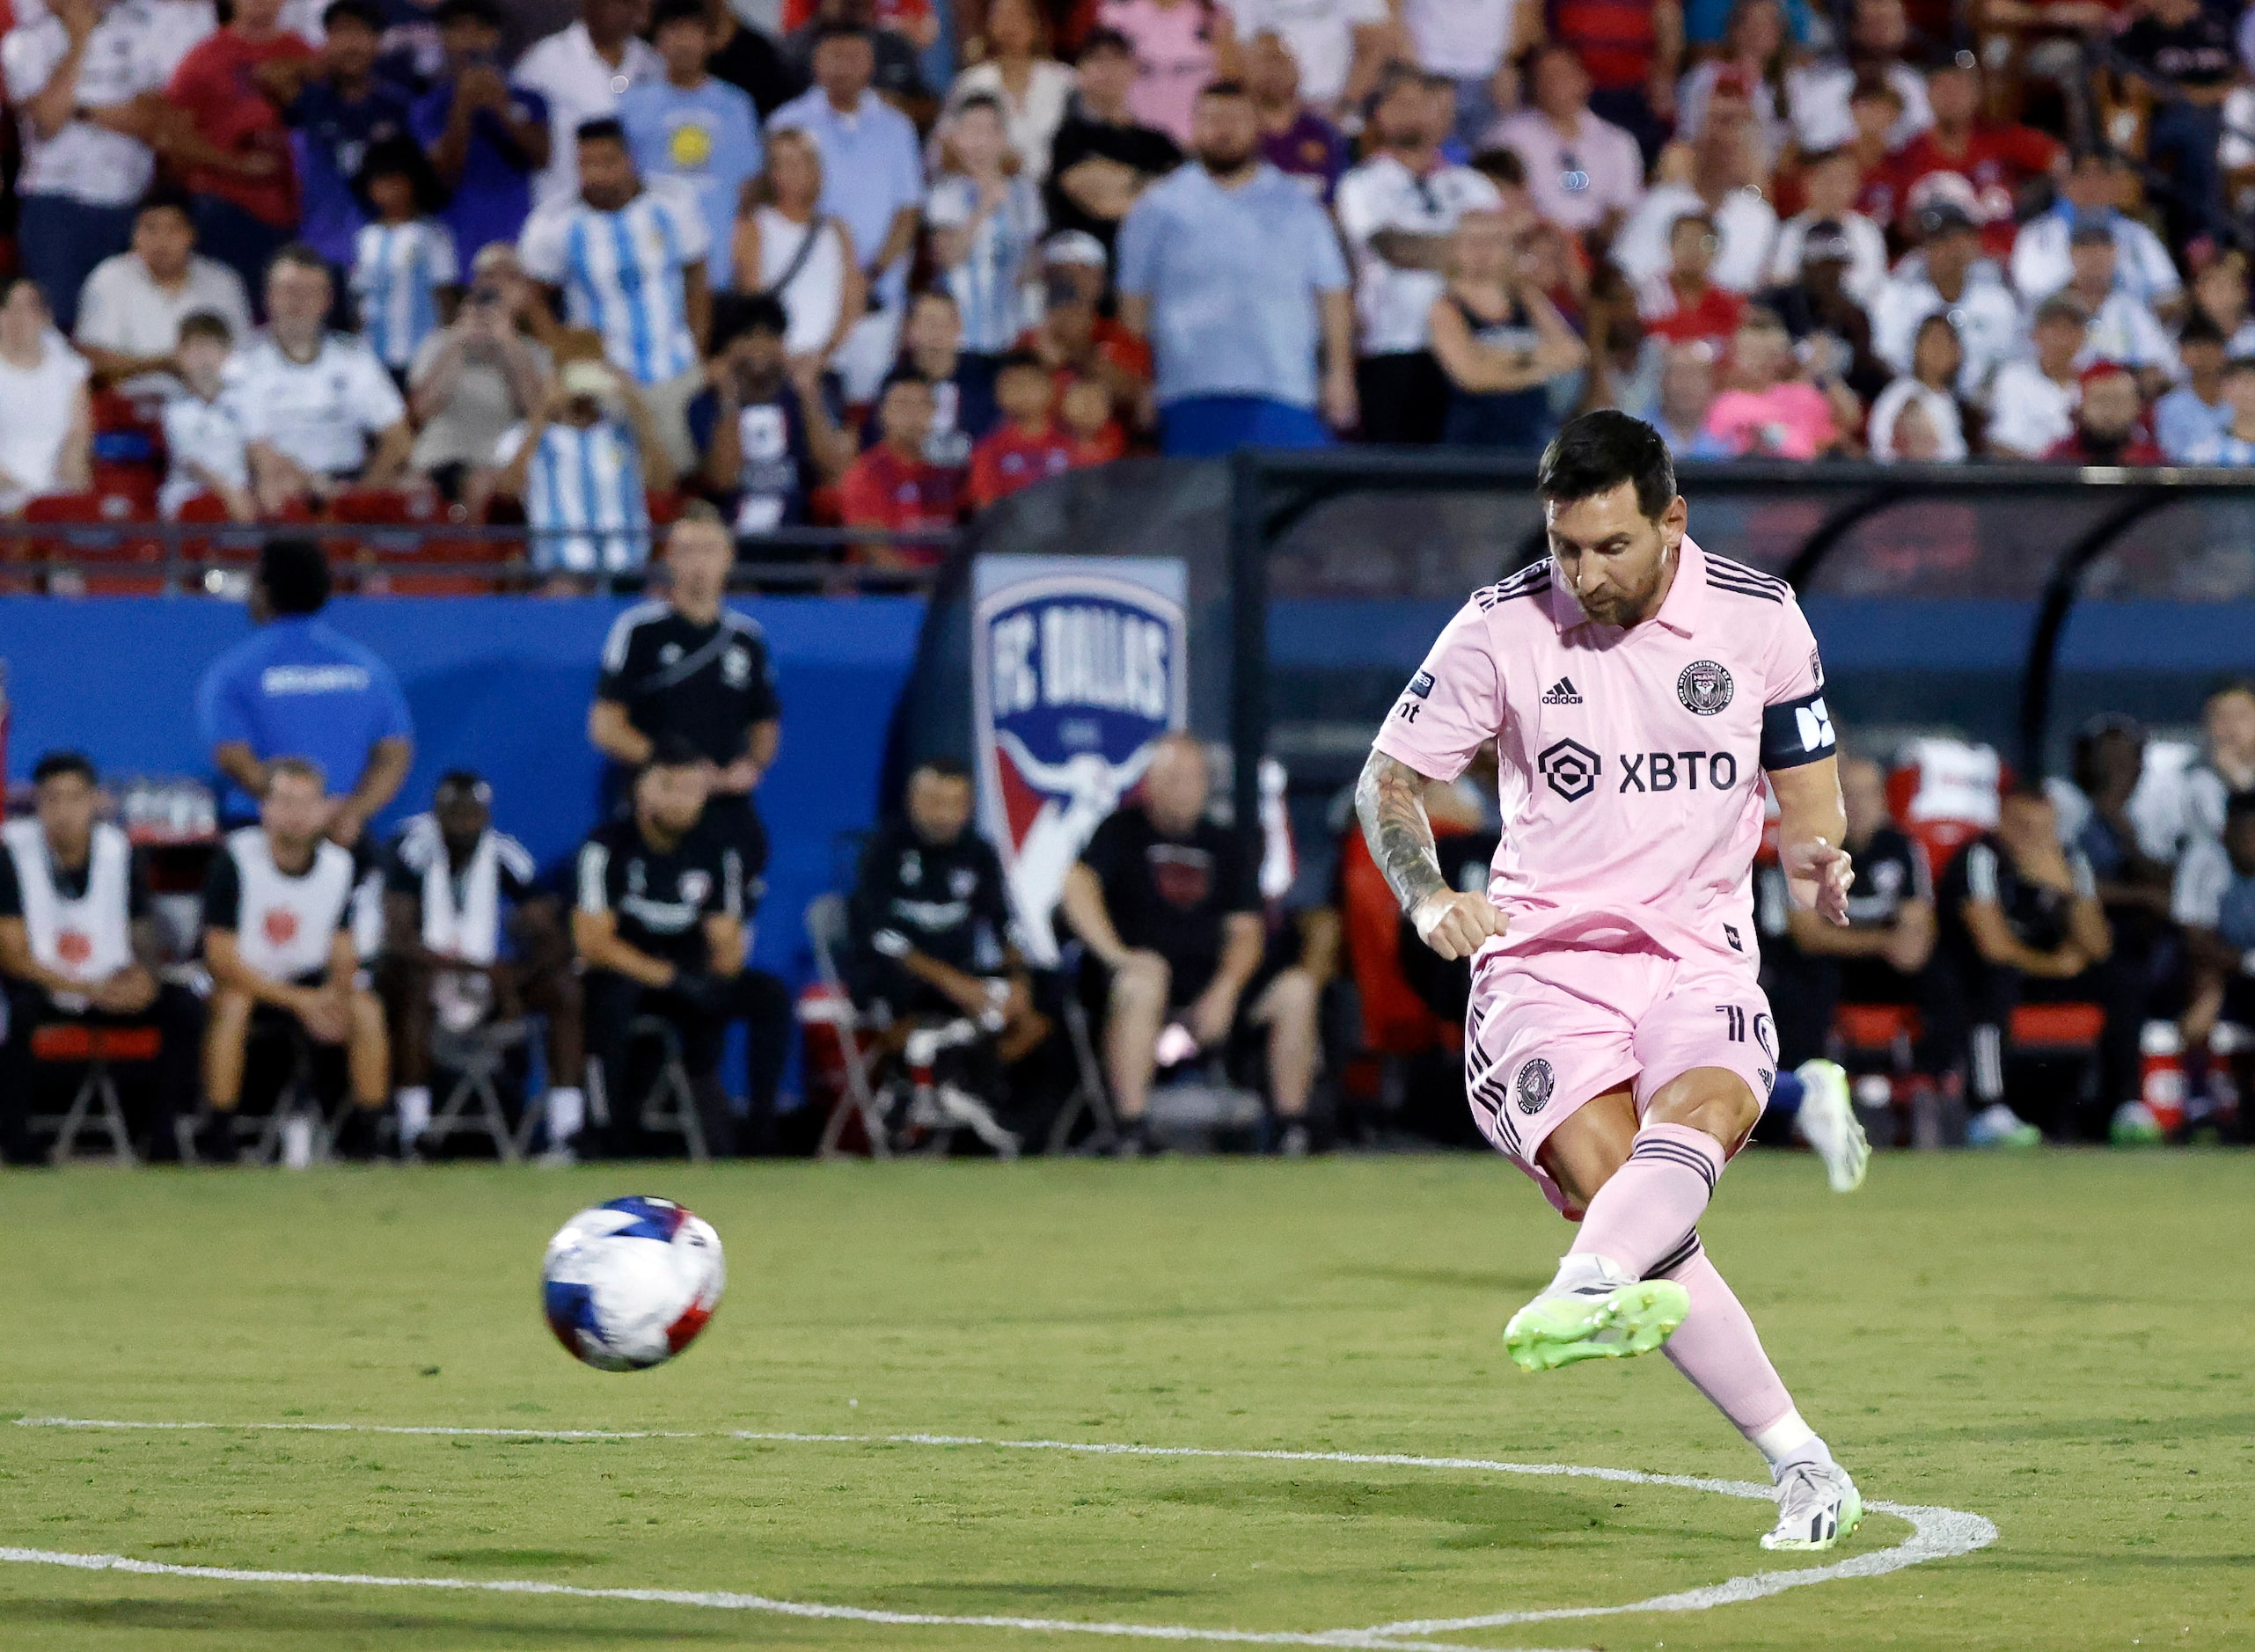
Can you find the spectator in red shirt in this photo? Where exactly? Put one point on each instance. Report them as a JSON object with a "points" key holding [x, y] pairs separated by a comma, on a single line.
{"points": [[1683, 304], [230, 136], [1875, 106], [1028, 445], [893, 485], [2110, 425], [1981, 165], [1085, 409]]}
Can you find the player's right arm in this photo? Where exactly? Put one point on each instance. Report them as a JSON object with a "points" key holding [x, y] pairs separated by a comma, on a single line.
{"points": [[1390, 802]]}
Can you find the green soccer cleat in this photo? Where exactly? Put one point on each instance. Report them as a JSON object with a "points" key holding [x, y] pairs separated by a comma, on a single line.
{"points": [[1603, 1321], [1818, 1507]]}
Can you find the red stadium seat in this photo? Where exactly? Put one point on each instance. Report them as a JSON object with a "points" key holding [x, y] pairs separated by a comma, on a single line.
{"points": [[98, 535], [394, 569]]}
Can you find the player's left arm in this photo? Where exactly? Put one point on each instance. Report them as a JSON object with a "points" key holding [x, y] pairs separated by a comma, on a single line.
{"points": [[1800, 755]]}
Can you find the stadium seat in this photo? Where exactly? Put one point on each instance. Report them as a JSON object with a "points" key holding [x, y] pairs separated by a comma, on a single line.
{"points": [[2056, 1029], [95, 1104], [669, 1106], [96, 535], [394, 568], [829, 1006]]}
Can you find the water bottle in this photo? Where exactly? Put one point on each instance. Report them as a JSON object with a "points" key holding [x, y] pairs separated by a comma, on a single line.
{"points": [[297, 1142]]}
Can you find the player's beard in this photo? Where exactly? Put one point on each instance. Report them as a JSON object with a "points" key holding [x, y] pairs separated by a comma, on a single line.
{"points": [[1613, 605]]}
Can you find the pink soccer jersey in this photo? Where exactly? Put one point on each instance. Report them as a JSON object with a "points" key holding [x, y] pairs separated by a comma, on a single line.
{"points": [[1629, 761]]}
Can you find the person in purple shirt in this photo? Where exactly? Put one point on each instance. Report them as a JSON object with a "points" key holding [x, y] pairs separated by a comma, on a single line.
{"points": [[485, 137], [345, 108], [1295, 139]]}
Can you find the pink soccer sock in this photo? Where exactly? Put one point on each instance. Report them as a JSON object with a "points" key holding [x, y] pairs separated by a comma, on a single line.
{"points": [[1643, 1216], [1718, 1349]]}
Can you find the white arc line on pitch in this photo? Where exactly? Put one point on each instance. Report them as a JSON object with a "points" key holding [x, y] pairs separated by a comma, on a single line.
{"points": [[1936, 1533]]}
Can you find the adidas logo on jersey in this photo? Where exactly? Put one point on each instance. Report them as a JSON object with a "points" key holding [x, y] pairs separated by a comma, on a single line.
{"points": [[1562, 694]]}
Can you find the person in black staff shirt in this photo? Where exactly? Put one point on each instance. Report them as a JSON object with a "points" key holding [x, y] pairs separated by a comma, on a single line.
{"points": [[471, 936], [277, 938], [1166, 901], [1809, 968], [2019, 919], [764, 425], [930, 917], [77, 943], [1102, 158], [660, 924], [688, 668]]}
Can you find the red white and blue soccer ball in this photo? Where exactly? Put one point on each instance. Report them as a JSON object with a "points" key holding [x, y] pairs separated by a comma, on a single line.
{"points": [[629, 1284]]}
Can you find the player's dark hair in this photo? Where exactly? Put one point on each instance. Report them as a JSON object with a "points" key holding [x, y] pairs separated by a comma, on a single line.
{"points": [[294, 576], [1596, 452], [55, 764], [461, 780], [672, 752]]}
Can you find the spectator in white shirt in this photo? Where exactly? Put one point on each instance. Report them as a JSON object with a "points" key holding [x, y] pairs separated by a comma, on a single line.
{"points": [[131, 312], [83, 77], [1928, 389], [1756, 49], [628, 261], [579, 71], [1724, 168], [2093, 193], [205, 449], [1817, 94], [2122, 329], [791, 252], [1019, 73], [1829, 180], [1473, 43], [1396, 211], [2032, 404], [46, 431], [1583, 173], [320, 412], [1948, 274], [1340, 45]]}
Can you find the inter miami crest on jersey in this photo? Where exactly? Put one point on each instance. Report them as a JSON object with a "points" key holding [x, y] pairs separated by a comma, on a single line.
{"points": [[1704, 688]]}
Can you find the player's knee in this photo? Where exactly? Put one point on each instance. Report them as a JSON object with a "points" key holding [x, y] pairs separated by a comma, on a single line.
{"points": [[1711, 1100]]}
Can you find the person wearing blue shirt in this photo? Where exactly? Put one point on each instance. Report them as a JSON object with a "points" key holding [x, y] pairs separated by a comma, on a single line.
{"points": [[2195, 412], [486, 138], [1235, 276], [299, 688], [693, 128], [345, 110]]}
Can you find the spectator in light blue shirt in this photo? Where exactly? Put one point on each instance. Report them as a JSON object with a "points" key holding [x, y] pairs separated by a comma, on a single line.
{"points": [[872, 183], [2195, 412], [701, 132], [299, 688], [1235, 276], [2235, 443]]}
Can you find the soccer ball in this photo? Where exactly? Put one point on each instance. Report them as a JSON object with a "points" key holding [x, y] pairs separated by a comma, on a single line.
{"points": [[629, 1284]]}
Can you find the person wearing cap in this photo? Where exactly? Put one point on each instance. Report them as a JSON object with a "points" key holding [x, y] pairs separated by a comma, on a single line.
{"points": [[1295, 140], [2033, 402], [2092, 192], [1103, 157], [1583, 173], [482, 374], [1079, 345], [486, 138], [582, 464], [2122, 327], [1951, 275], [1829, 217], [1824, 320], [1751, 64], [1982, 164], [2109, 421]]}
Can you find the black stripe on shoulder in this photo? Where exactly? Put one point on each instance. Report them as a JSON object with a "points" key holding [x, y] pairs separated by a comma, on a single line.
{"points": [[1531, 581], [1755, 591], [1744, 570]]}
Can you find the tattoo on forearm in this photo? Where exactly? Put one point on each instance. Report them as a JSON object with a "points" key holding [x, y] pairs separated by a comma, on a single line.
{"points": [[1389, 800]]}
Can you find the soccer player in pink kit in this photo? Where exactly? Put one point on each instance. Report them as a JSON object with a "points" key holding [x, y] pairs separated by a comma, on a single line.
{"points": [[1618, 1048]]}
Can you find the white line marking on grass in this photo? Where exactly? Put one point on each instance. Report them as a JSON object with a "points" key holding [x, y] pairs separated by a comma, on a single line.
{"points": [[1937, 1534]]}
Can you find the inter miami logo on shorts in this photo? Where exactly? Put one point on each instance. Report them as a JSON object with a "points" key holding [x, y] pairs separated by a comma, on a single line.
{"points": [[1571, 768], [1532, 1086], [1704, 688]]}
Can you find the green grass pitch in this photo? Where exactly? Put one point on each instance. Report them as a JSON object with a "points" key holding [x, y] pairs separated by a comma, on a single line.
{"points": [[2060, 1343]]}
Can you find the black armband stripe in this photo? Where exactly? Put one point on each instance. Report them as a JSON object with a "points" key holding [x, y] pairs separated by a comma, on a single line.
{"points": [[1794, 732]]}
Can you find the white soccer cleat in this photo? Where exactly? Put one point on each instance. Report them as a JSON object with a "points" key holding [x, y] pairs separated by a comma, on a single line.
{"points": [[1818, 1505], [1828, 1122]]}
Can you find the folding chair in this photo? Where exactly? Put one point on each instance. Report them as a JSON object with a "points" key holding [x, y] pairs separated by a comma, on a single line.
{"points": [[476, 1056], [95, 1104], [826, 934], [669, 1106], [1089, 1095]]}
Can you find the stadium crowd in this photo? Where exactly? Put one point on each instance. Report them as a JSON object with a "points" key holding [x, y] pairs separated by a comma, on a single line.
{"points": [[860, 264]]}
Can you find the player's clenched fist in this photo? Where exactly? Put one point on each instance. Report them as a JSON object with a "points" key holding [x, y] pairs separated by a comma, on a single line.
{"points": [[1454, 924]]}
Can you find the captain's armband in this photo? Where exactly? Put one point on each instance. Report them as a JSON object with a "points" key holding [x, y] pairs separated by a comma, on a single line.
{"points": [[1794, 732]]}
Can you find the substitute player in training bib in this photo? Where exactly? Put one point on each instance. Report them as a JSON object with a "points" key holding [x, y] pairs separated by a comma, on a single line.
{"points": [[1618, 1047]]}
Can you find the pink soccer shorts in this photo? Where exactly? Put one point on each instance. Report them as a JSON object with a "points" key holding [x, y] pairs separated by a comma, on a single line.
{"points": [[1550, 1027]]}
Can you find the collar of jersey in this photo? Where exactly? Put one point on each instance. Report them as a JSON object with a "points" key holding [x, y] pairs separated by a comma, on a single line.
{"points": [[1686, 598]]}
